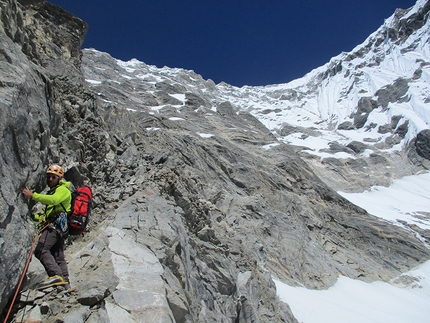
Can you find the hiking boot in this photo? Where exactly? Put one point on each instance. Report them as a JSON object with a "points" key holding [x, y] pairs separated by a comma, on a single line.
{"points": [[51, 281]]}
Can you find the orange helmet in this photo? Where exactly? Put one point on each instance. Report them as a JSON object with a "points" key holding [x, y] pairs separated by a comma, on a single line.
{"points": [[56, 170]]}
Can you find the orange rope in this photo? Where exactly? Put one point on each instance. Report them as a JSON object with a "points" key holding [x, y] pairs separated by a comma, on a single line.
{"points": [[36, 238]]}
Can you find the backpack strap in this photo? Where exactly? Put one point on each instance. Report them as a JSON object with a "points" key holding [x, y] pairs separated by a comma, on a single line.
{"points": [[64, 208]]}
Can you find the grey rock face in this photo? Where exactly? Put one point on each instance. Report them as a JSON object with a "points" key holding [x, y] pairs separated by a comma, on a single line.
{"points": [[393, 93], [20, 92], [365, 106], [347, 125], [31, 118], [423, 143], [357, 147]]}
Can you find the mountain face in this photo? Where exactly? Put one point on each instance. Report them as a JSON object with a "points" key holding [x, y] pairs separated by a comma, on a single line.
{"points": [[204, 192], [364, 112]]}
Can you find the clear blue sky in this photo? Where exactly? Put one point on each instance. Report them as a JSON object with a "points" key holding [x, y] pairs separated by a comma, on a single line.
{"points": [[240, 42]]}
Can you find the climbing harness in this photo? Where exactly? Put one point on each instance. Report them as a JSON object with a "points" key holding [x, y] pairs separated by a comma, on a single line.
{"points": [[36, 238]]}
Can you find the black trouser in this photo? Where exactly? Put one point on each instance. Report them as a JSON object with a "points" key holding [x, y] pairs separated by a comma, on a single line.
{"points": [[50, 252]]}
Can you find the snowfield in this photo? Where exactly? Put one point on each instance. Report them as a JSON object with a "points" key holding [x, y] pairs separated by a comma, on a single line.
{"points": [[354, 301]]}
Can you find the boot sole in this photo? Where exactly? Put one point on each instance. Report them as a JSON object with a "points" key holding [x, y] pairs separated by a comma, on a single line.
{"points": [[51, 285]]}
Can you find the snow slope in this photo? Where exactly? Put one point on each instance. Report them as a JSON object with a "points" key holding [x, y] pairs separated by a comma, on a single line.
{"points": [[329, 95], [405, 300]]}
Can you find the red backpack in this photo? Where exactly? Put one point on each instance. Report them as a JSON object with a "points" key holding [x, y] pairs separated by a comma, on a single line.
{"points": [[80, 211]]}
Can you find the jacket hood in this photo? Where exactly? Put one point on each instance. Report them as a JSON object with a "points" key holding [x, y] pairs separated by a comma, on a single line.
{"points": [[64, 183]]}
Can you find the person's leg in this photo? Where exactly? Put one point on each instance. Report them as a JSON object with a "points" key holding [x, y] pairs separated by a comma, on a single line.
{"points": [[47, 241], [60, 259]]}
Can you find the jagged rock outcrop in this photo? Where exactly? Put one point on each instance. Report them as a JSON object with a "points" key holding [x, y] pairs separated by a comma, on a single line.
{"points": [[422, 143], [193, 213]]}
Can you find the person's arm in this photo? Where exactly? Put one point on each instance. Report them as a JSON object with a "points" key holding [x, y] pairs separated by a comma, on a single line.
{"points": [[61, 194]]}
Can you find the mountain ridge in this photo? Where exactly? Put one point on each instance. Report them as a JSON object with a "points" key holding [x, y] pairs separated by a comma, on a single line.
{"points": [[372, 93]]}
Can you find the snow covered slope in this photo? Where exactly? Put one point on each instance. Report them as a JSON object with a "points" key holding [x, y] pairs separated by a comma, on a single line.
{"points": [[363, 90], [363, 110]]}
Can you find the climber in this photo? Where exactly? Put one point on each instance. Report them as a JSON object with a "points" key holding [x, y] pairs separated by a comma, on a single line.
{"points": [[50, 247]]}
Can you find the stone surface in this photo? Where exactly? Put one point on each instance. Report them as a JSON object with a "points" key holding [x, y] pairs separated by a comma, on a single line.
{"points": [[423, 143]]}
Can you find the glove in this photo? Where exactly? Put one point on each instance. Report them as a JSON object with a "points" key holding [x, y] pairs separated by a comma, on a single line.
{"points": [[39, 217]]}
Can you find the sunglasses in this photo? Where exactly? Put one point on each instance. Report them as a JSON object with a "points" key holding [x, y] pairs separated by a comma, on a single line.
{"points": [[51, 177]]}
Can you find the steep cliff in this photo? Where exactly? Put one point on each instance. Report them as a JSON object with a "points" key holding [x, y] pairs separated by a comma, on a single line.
{"points": [[41, 87], [193, 215]]}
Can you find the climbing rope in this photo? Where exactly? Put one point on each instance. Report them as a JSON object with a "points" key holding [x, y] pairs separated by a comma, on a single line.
{"points": [[36, 238]]}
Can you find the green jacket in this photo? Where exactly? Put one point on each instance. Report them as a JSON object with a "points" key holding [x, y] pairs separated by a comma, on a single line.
{"points": [[56, 200]]}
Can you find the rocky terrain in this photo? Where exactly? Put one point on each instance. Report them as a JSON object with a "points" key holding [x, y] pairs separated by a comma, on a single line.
{"points": [[198, 201]]}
